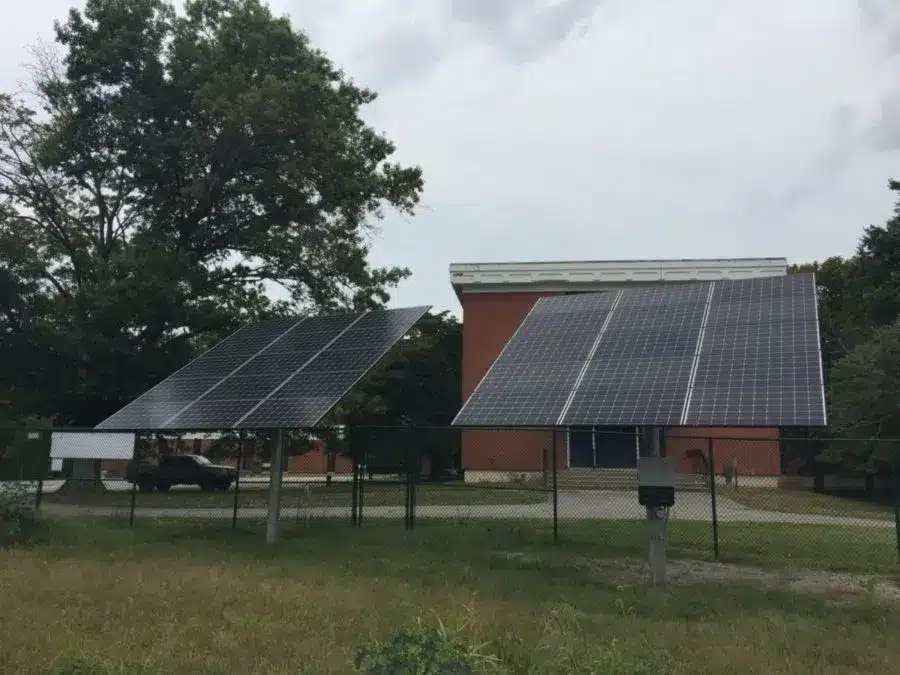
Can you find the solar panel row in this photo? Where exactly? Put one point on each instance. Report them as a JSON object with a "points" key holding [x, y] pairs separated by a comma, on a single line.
{"points": [[531, 380], [281, 373], [737, 352]]}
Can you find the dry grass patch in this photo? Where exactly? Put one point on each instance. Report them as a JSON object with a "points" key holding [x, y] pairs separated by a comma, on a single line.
{"points": [[95, 597]]}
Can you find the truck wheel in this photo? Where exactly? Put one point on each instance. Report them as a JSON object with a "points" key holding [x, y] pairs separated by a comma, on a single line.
{"points": [[224, 486], [207, 486], [163, 487], [145, 484]]}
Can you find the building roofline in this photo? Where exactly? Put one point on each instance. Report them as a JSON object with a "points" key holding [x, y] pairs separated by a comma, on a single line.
{"points": [[598, 274]]}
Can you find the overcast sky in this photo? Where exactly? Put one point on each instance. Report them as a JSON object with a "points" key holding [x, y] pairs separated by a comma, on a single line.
{"points": [[610, 129]]}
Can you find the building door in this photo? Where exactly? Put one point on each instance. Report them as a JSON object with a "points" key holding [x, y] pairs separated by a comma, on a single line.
{"points": [[602, 447], [616, 447]]}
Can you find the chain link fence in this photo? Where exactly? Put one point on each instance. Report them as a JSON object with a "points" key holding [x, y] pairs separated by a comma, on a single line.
{"points": [[738, 497]]}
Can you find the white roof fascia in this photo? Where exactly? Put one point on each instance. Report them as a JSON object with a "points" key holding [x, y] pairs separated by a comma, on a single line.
{"points": [[510, 277]]}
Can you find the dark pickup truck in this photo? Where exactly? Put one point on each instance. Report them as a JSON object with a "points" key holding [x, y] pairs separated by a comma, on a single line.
{"points": [[181, 470]]}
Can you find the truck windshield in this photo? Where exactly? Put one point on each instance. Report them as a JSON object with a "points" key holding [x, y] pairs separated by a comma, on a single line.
{"points": [[200, 459]]}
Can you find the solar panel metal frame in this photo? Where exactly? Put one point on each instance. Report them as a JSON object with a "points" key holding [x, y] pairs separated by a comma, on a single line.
{"points": [[566, 418], [171, 421]]}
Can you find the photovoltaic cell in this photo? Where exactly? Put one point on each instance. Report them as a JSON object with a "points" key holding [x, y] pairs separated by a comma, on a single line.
{"points": [[532, 379], [229, 382]]}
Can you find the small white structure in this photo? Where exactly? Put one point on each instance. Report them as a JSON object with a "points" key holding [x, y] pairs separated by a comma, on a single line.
{"points": [[87, 445]]}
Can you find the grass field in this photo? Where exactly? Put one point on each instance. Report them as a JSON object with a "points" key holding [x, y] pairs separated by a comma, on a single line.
{"points": [[92, 596], [806, 501], [337, 494]]}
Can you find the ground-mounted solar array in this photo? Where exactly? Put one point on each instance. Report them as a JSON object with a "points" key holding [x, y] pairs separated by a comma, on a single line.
{"points": [[280, 373], [721, 353]]}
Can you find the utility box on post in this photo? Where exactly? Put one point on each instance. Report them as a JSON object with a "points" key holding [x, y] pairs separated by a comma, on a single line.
{"points": [[656, 482]]}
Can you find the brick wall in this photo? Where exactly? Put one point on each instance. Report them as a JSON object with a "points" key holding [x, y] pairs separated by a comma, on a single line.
{"points": [[489, 320]]}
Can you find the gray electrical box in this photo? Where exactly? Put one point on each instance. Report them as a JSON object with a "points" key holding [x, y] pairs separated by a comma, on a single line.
{"points": [[656, 482]]}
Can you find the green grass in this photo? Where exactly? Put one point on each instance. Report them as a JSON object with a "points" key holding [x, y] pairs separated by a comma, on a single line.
{"points": [[337, 494], [198, 597], [806, 501]]}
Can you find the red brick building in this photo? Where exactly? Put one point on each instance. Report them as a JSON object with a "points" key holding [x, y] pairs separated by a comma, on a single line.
{"points": [[495, 298]]}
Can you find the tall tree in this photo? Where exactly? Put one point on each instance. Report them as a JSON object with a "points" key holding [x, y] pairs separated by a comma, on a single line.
{"points": [[179, 166], [844, 319], [859, 307], [864, 392]]}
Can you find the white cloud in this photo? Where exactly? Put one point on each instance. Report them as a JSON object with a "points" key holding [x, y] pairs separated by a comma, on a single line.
{"points": [[618, 128]]}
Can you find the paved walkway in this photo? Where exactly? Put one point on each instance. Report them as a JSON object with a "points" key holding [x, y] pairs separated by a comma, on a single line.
{"points": [[572, 505]]}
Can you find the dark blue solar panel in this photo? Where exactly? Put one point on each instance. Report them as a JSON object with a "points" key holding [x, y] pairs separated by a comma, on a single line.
{"points": [[155, 408], [223, 386], [760, 362], [640, 371], [305, 397], [724, 353], [235, 349], [531, 380]]}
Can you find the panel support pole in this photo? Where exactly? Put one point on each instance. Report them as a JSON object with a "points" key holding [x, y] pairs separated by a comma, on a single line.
{"points": [[275, 471], [657, 520]]}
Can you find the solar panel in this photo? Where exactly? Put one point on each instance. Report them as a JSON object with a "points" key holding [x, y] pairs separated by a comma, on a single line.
{"points": [[532, 379], [737, 352], [759, 362], [309, 394], [640, 371], [232, 384], [155, 407]]}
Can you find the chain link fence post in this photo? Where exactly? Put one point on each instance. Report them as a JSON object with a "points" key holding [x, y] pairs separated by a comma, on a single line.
{"points": [[555, 491], [407, 511], [354, 481], [896, 491], [414, 476], [711, 456], [242, 439], [136, 462]]}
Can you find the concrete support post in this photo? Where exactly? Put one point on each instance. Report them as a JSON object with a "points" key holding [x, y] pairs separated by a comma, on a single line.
{"points": [[657, 522], [275, 471]]}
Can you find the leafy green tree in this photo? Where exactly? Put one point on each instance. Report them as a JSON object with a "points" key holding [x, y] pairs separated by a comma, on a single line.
{"points": [[859, 302], [844, 319], [864, 391], [179, 166]]}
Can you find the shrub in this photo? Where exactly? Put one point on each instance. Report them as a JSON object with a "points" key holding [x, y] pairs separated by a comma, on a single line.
{"points": [[17, 513], [423, 651]]}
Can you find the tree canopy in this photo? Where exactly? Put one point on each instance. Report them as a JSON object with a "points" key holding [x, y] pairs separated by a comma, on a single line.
{"points": [[859, 310], [865, 400], [171, 169]]}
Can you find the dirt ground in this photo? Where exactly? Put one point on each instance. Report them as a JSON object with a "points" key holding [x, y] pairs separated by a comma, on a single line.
{"points": [[836, 586]]}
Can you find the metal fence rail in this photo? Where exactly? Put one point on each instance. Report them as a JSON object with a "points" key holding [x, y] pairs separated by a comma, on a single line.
{"points": [[733, 494]]}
